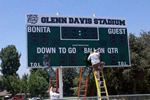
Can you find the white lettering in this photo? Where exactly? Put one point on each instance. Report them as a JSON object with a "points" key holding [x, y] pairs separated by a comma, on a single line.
{"points": [[112, 50], [45, 50], [62, 50], [122, 63], [116, 31], [71, 50], [34, 64], [101, 50], [88, 50], [34, 29]]}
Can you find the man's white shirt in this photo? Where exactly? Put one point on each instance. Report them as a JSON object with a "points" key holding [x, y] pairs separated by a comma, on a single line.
{"points": [[94, 57], [54, 95]]}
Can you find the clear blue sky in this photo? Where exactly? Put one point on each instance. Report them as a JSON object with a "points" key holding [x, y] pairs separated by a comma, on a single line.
{"points": [[13, 12]]}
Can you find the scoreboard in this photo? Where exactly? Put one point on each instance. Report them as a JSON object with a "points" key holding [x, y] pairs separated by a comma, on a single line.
{"points": [[67, 41]]}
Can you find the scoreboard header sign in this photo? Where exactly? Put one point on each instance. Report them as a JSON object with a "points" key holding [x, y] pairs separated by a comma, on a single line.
{"points": [[66, 41]]}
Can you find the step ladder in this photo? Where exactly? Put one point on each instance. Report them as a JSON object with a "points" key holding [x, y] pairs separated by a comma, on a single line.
{"points": [[101, 85], [83, 83]]}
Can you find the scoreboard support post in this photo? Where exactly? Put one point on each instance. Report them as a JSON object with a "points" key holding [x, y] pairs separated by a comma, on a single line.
{"points": [[60, 83]]}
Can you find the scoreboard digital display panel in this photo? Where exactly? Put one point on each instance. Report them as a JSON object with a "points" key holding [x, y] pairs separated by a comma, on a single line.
{"points": [[79, 33]]}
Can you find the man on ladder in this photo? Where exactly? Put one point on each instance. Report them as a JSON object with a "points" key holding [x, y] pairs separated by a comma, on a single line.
{"points": [[94, 57]]}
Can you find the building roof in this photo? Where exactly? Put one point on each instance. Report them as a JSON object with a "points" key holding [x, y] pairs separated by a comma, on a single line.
{"points": [[4, 93]]}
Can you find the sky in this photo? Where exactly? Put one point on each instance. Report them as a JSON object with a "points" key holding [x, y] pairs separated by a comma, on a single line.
{"points": [[13, 17]]}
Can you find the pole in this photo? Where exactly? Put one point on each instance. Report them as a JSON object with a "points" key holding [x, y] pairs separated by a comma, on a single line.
{"points": [[57, 80], [60, 83]]}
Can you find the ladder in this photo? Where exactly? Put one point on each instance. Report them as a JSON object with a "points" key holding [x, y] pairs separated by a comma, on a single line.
{"points": [[101, 85], [83, 83]]}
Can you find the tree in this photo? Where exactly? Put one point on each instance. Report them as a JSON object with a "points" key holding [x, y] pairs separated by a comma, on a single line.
{"points": [[24, 84], [137, 73], [10, 60], [12, 84], [69, 75], [37, 84], [134, 79], [1, 83]]}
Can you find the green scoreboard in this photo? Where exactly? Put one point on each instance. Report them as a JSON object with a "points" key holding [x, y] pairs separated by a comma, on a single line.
{"points": [[66, 41]]}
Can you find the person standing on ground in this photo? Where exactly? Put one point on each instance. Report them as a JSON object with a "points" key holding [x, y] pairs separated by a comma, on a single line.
{"points": [[53, 94]]}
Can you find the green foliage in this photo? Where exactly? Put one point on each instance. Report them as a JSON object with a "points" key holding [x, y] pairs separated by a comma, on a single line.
{"points": [[9, 60], [1, 83], [38, 85], [134, 79], [24, 84], [69, 75], [12, 84], [43, 73], [35, 84]]}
